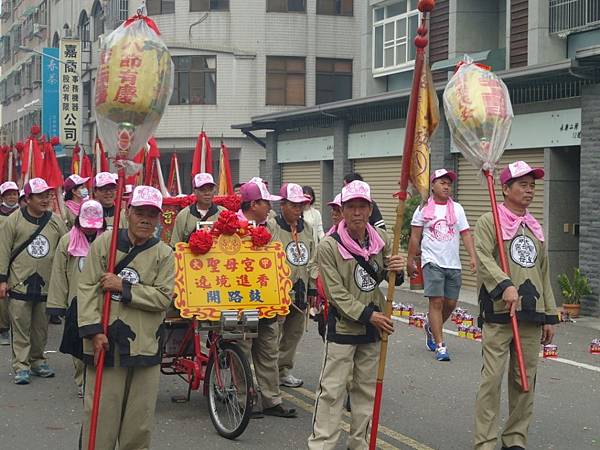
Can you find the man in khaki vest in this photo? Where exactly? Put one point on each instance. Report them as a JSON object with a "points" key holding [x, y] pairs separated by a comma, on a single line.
{"points": [[28, 241], [263, 350], [204, 210], [353, 261], [526, 293], [141, 293], [297, 239]]}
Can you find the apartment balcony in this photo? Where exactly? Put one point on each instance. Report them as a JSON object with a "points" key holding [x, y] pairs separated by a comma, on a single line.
{"points": [[571, 16]]}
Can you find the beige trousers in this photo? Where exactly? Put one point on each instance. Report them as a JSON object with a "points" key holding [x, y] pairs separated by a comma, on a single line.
{"points": [[79, 367], [127, 404], [263, 352], [29, 325], [352, 367], [291, 331], [4, 316], [496, 348]]}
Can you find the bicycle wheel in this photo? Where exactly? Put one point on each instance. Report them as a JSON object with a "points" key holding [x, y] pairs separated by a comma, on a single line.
{"points": [[229, 390]]}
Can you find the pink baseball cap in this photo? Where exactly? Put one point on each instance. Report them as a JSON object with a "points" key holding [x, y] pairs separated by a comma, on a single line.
{"points": [[519, 169], [356, 190], [36, 186], [8, 186], [292, 192], [337, 201], [91, 215], [443, 173], [73, 181], [146, 196], [202, 179], [257, 190], [104, 179]]}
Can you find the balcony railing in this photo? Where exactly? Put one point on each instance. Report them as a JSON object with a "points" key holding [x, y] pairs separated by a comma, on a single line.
{"points": [[569, 16]]}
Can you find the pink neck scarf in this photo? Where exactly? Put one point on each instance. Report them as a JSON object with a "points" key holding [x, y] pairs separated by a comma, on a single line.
{"points": [[375, 242], [429, 211], [78, 243], [73, 206], [332, 230], [510, 223]]}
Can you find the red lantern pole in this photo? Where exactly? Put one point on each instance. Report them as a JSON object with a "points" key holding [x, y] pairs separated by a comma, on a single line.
{"points": [[505, 268], [107, 295], [425, 7]]}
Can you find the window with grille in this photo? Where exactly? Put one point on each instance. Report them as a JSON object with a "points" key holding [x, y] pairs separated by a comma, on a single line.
{"points": [[83, 27], [334, 80], [335, 7], [156, 7], [98, 20], [209, 5], [394, 28], [286, 80], [286, 6], [195, 80]]}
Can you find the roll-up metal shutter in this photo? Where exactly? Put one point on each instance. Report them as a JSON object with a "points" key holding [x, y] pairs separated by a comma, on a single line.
{"points": [[383, 175], [474, 198], [304, 173]]}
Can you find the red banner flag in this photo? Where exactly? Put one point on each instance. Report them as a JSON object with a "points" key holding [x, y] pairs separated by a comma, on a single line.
{"points": [[202, 161]]}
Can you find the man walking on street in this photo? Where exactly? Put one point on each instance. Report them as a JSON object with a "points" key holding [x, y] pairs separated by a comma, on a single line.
{"points": [[142, 291], [527, 292], [204, 210], [436, 227], [297, 239], [353, 261], [105, 192], [263, 350], [376, 218], [28, 241]]}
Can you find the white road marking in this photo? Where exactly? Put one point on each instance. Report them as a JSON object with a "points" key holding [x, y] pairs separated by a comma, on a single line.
{"points": [[560, 360]]}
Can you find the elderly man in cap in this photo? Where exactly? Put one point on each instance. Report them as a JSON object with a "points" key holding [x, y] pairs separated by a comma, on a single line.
{"points": [[526, 292], [264, 349], [297, 238], [28, 240], [9, 192], [436, 227], [353, 261], [142, 291], [204, 210]]}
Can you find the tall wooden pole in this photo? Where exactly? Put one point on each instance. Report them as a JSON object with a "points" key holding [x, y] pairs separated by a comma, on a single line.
{"points": [[425, 7]]}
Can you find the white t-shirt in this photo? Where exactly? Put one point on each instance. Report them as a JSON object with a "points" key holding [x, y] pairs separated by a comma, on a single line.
{"points": [[440, 243]]}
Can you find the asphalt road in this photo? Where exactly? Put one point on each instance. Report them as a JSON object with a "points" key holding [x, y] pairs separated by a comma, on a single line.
{"points": [[427, 404]]}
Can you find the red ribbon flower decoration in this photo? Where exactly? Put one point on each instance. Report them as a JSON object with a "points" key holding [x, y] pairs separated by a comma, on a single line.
{"points": [[230, 202], [201, 242], [227, 224], [54, 140], [260, 236]]}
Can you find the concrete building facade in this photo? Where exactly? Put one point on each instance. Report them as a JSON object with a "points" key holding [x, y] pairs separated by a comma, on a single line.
{"points": [[549, 58], [233, 59]]}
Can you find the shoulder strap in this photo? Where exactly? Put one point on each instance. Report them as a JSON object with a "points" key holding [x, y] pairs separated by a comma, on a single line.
{"points": [[44, 221], [133, 253], [362, 262]]}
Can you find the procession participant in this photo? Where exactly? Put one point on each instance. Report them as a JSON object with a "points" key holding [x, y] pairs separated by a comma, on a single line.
{"points": [[28, 241], [142, 292], [67, 266], [9, 192], [527, 292], [312, 216], [22, 199], [336, 213], [75, 193], [263, 349], [105, 192], [436, 227], [237, 188], [352, 263], [204, 210], [297, 239], [376, 218]]}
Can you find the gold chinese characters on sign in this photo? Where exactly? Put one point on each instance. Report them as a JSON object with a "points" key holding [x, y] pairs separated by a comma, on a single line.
{"points": [[233, 275]]}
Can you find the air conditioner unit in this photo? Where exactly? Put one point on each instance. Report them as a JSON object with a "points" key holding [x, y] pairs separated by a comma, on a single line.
{"points": [[38, 28]]}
